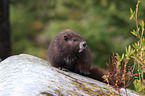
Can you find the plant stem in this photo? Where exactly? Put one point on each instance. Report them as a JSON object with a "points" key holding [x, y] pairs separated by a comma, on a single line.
{"points": [[136, 18], [126, 92]]}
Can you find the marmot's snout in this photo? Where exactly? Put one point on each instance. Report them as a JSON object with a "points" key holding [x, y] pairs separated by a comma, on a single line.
{"points": [[82, 46]]}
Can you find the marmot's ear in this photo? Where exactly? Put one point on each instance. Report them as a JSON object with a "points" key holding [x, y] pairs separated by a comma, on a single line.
{"points": [[65, 38]]}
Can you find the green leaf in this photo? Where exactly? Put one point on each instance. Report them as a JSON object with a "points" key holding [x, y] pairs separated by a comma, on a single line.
{"points": [[118, 57], [136, 46], [134, 32], [137, 85], [142, 23], [105, 77], [129, 51], [142, 41], [132, 13]]}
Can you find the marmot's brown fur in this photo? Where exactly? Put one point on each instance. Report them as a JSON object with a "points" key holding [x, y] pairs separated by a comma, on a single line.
{"points": [[69, 51]]}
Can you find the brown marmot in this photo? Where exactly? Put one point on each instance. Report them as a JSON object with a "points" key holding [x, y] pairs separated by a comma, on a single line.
{"points": [[69, 51]]}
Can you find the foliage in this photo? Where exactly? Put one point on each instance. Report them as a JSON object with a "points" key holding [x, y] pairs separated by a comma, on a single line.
{"points": [[119, 75], [104, 25]]}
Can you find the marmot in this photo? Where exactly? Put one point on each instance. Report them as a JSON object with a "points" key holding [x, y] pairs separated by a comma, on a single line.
{"points": [[68, 50]]}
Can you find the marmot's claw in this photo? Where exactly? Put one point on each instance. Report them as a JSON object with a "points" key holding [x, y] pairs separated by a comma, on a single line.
{"points": [[84, 72], [63, 69]]}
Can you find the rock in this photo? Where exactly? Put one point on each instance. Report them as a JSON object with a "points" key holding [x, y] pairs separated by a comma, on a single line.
{"points": [[26, 75]]}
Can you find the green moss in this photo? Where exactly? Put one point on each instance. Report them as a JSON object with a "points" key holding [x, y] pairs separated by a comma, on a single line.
{"points": [[49, 94], [46, 93], [81, 85]]}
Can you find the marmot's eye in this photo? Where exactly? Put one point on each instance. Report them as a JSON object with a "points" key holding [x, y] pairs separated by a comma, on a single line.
{"points": [[74, 40], [65, 38]]}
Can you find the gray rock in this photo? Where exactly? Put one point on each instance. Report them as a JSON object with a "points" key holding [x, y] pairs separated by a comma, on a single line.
{"points": [[26, 75]]}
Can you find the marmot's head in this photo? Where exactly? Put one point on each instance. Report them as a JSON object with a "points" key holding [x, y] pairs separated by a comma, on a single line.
{"points": [[71, 41]]}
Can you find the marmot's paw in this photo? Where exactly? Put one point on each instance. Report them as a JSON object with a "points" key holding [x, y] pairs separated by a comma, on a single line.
{"points": [[61, 68], [84, 72]]}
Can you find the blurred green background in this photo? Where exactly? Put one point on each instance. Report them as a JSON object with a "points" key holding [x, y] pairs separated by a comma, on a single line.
{"points": [[104, 24]]}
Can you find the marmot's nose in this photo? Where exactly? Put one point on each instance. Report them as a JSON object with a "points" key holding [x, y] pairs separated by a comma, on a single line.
{"points": [[84, 44]]}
